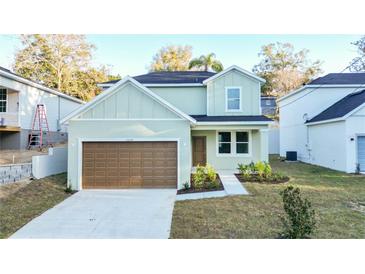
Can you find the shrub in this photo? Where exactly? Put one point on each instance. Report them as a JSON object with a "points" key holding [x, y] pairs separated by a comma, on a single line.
{"points": [[267, 170], [69, 189], [260, 169], [212, 184], [199, 177], [299, 221], [211, 173], [186, 185]]}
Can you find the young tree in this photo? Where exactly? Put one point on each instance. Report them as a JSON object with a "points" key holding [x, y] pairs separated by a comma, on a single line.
{"points": [[206, 63], [284, 69], [60, 61], [358, 63], [172, 58]]}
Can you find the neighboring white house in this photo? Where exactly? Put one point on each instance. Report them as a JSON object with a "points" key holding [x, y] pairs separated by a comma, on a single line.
{"points": [[150, 130], [324, 122], [18, 100]]}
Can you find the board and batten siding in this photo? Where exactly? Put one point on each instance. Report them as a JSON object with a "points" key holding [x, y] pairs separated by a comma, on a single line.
{"points": [[191, 100], [131, 103], [250, 94]]}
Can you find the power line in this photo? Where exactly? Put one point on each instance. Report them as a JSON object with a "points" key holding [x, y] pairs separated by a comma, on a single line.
{"points": [[321, 85]]}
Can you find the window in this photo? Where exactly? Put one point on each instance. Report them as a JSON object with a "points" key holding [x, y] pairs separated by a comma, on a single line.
{"points": [[3, 99], [233, 143], [233, 99], [241, 142], [224, 142]]}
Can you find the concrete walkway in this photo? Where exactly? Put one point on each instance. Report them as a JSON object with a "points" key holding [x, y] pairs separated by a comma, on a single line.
{"points": [[106, 214], [232, 186]]}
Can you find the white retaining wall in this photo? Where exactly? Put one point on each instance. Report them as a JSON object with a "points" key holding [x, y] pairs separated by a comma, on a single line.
{"points": [[53, 163]]}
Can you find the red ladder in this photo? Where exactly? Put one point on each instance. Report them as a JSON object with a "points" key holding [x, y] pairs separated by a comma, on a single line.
{"points": [[39, 127]]}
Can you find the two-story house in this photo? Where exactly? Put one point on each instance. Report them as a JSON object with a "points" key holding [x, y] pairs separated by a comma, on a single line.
{"points": [[19, 98], [324, 123], [148, 131]]}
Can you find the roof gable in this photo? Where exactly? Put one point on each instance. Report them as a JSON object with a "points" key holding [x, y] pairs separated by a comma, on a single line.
{"points": [[341, 108], [241, 70], [85, 110]]}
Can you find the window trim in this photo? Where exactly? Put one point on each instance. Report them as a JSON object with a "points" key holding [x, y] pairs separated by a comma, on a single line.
{"points": [[226, 96], [6, 100], [233, 144]]}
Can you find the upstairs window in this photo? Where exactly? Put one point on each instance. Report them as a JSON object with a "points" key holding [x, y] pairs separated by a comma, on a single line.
{"points": [[3, 99], [233, 99]]}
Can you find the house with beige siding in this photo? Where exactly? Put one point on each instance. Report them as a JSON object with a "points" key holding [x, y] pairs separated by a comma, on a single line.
{"points": [[18, 100], [150, 130]]}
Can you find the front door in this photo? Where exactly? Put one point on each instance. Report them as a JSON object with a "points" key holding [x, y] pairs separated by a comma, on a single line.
{"points": [[199, 150]]}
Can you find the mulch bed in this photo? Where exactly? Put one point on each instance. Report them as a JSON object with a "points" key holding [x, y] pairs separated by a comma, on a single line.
{"points": [[257, 179], [194, 190]]}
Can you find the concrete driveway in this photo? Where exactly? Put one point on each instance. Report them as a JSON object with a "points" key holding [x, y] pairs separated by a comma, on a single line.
{"points": [[106, 214]]}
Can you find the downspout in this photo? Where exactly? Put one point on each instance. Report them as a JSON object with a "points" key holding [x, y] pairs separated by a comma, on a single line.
{"points": [[59, 114]]}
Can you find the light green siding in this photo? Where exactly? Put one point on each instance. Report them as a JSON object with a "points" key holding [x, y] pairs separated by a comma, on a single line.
{"points": [[250, 92], [258, 143], [191, 100], [129, 102], [109, 130]]}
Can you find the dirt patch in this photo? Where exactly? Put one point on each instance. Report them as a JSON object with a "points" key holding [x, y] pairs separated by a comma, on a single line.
{"points": [[9, 189], [256, 179], [358, 206], [192, 189]]}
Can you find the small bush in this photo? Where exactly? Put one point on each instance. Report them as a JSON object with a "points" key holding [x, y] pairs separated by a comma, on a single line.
{"points": [[199, 177], [299, 221], [211, 173], [260, 169], [69, 189], [186, 185]]}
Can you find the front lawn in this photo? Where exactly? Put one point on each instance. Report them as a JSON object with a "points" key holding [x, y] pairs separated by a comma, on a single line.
{"points": [[338, 199], [19, 205]]}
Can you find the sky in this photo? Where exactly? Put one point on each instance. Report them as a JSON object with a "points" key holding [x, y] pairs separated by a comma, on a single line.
{"points": [[132, 54]]}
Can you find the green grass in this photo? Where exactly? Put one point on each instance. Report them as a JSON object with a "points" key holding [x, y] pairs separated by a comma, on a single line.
{"points": [[22, 205], [338, 199]]}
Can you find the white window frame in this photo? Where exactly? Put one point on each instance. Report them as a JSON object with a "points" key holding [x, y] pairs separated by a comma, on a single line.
{"points": [[6, 100], [233, 144], [240, 104]]}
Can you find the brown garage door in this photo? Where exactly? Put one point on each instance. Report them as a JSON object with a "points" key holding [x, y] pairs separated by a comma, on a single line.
{"points": [[129, 165]]}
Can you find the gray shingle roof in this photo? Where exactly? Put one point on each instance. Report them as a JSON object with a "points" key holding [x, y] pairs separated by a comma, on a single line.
{"points": [[171, 77], [341, 107], [340, 79], [233, 118]]}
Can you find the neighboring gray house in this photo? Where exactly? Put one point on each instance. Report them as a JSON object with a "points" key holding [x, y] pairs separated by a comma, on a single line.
{"points": [[18, 100], [149, 131], [268, 105]]}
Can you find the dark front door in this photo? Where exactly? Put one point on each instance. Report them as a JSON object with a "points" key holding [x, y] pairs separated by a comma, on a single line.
{"points": [[199, 150]]}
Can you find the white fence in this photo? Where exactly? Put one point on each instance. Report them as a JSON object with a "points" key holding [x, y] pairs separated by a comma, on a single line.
{"points": [[53, 163], [274, 140]]}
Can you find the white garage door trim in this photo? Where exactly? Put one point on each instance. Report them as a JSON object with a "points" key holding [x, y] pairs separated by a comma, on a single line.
{"points": [[81, 140]]}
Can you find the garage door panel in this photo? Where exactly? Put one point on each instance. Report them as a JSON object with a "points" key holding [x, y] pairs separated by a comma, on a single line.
{"points": [[129, 164]]}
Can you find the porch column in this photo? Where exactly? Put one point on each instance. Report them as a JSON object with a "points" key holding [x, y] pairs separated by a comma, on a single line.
{"points": [[264, 144]]}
